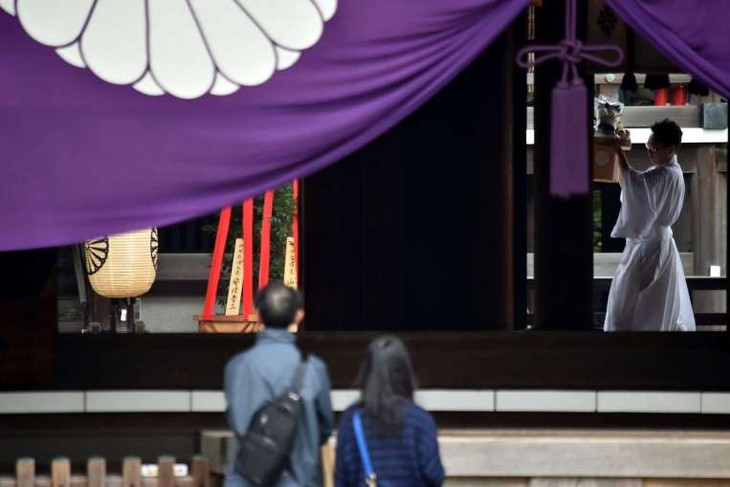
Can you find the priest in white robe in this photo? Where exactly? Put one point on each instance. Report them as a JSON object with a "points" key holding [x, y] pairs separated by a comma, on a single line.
{"points": [[649, 291]]}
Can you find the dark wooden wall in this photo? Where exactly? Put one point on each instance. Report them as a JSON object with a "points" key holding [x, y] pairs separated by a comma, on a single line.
{"points": [[27, 317], [418, 231], [532, 359]]}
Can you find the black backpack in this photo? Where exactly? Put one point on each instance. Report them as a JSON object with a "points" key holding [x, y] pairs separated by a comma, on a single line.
{"points": [[264, 449]]}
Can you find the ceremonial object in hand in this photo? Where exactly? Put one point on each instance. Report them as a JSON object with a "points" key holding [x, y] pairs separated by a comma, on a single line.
{"points": [[608, 114], [622, 141], [609, 139], [608, 130]]}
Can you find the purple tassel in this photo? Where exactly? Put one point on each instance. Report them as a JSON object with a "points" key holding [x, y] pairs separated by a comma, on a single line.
{"points": [[569, 173], [569, 140]]}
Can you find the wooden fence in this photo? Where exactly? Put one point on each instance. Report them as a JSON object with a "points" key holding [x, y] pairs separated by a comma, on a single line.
{"points": [[96, 474]]}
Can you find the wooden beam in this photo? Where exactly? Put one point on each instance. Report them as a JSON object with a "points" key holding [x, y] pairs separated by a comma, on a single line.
{"points": [[25, 472], [680, 361], [709, 205], [563, 227]]}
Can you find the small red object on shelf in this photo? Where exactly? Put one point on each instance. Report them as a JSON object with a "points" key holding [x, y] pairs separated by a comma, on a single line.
{"points": [[679, 95]]}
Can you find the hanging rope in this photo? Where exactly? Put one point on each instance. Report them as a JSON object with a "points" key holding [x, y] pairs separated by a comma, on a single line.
{"points": [[569, 124]]}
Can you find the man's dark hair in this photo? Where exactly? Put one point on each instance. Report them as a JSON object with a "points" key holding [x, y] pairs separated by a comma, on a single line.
{"points": [[667, 133], [277, 304], [386, 383]]}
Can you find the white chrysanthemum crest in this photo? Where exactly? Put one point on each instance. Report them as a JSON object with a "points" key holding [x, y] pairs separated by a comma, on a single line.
{"points": [[185, 48]]}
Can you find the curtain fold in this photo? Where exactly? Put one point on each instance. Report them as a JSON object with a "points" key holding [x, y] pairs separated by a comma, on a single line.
{"points": [[691, 34], [86, 153]]}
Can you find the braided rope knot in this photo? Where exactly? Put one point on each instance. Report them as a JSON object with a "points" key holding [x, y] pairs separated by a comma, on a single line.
{"points": [[571, 51]]}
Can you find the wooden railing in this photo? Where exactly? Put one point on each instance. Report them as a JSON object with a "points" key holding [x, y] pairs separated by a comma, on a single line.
{"points": [[96, 474]]}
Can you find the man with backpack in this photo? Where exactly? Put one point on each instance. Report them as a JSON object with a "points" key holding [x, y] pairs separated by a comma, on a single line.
{"points": [[278, 401]]}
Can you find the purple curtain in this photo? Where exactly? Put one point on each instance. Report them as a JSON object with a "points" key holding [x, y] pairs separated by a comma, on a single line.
{"points": [[694, 35], [84, 157]]}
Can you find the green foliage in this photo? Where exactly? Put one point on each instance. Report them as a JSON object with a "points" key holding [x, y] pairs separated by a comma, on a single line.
{"points": [[597, 234]]}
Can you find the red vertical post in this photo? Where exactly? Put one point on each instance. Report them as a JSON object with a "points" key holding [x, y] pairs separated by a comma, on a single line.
{"points": [[265, 256], [295, 221], [247, 258], [215, 266]]}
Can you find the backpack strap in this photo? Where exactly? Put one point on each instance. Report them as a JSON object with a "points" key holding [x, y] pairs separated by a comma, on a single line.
{"points": [[299, 374], [370, 477]]}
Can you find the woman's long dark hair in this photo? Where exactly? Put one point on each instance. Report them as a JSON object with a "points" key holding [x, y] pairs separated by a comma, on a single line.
{"points": [[386, 382]]}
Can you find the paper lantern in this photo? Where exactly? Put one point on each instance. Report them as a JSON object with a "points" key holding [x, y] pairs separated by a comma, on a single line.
{"points": [[124, 265]]}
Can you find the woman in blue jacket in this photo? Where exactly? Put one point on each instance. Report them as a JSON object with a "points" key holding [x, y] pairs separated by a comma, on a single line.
{"points": [[400, 438]]}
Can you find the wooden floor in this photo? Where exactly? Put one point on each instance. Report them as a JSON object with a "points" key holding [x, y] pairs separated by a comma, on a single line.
{"points": [[563, 458]]}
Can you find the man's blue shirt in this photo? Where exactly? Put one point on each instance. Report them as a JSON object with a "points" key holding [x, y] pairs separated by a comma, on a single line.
{"points": [[266, 371]]}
